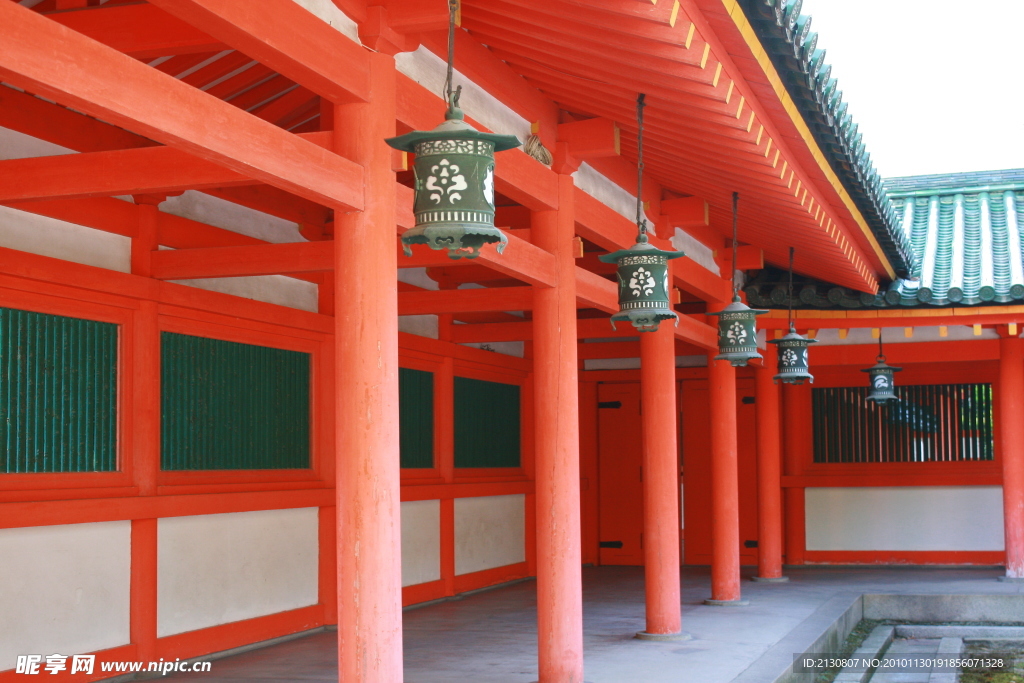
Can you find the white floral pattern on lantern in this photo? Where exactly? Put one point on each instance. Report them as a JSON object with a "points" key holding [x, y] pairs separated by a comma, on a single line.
{"points": [[446, 182], [489, 185], [881, 382], [736, 333], [788, 357], [642, 281]]}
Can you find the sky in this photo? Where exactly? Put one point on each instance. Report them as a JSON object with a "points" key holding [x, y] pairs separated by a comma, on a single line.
{"points": [[937, 86]]}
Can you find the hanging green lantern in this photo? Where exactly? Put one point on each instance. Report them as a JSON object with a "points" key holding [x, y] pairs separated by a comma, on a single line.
{"points": [[792, 363], [882, 385], [792, 366], [737, 333], [454, 171], [737, 322], [644, 286]]}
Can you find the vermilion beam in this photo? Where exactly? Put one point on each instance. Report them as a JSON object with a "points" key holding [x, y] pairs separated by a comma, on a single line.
{"points": [[56, 62], [285, 37], [466, 301], [520, 260], [262, 259], [98, 174], [51, 122], [594, 291], [140, 30]]}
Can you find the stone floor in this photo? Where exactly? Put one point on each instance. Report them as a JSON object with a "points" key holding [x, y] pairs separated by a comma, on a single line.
{"points": [[490, 637]]}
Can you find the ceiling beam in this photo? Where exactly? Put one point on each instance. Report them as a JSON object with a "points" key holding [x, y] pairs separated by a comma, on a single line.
{"points": [[466, 300], [520, 260], [53, 61], [261, 259], [140, 30], [286, 37]]}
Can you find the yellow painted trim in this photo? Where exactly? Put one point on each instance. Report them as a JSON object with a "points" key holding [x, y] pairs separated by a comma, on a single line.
{"points": [[750, 123], [704, 57], [747, 31], [689, 35], [977, 330], [768, 147], [1012, 329], [908, 332], [718, 73], [728, 94], [675, 15], [760, 132], [739, 110], [843, 333], [943, 331], [775, 162]]}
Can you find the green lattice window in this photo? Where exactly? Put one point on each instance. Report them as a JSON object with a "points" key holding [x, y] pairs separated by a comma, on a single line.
{"points": [[486, 423], [416, 418], [231, 406], [58, 393]]}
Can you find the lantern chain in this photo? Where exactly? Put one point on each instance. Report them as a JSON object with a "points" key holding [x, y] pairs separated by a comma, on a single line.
{"points": [[450, 96], [881, 354], [641, 222], [792, 250], [735, 246]]}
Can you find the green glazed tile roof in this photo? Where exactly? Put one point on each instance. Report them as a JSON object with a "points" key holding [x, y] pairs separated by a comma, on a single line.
{"points": [[793, 48], [966, 231]]}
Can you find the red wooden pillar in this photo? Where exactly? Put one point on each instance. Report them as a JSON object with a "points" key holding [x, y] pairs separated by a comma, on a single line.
{"points": [[661, 484], [725, 498], [769, 471], [1011, 441], [145, 452], [366, 334], [559, 557], [797, 434]]}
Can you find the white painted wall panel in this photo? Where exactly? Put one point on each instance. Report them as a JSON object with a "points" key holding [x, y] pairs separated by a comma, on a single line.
{"points": [[273, 289], [215, 569], [64, 589], [490, 531], [421, 541], [57, 239], [905, 518]]}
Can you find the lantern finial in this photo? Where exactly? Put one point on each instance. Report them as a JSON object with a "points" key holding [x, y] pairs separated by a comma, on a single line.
{"points": [[737, 325], [454, 176], [644, 286]]}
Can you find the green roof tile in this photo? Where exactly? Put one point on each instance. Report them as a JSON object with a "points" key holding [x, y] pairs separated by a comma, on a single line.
{"points": [[965, 231]]}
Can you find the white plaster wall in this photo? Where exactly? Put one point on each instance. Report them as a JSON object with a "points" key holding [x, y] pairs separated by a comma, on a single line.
{"points": [[57, 239], [905, 518], [230, 216], [273, 289], [329, 12], [64, 589], [421, 541], [15, 145], [216, 569], [490, 531]]}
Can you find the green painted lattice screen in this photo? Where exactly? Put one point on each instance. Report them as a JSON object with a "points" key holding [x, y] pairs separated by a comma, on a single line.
{"points": [[231, 406], [416, 418], [486, 423], [58, 393]]}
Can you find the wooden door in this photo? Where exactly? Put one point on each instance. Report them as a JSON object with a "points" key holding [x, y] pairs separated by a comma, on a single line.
{"points": [[620, 485], [696, 442]]}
